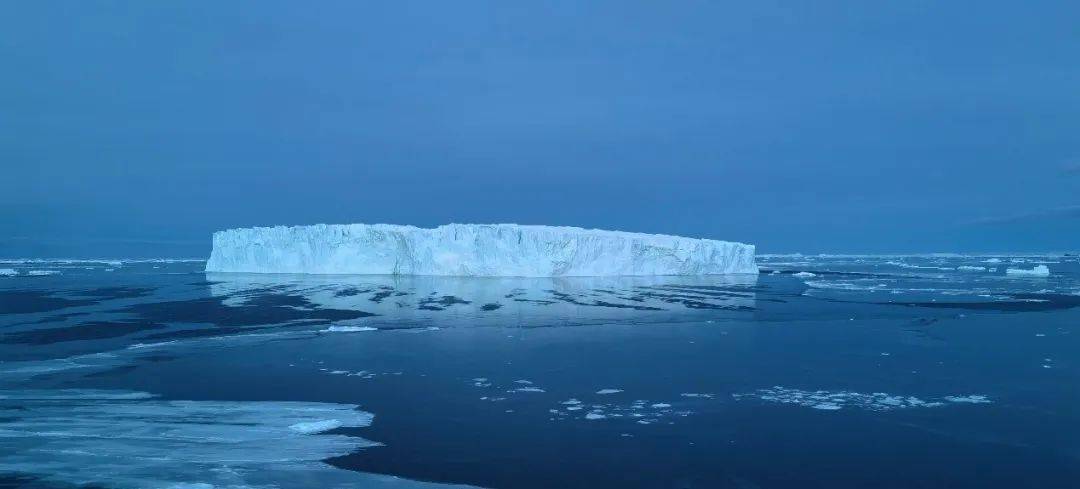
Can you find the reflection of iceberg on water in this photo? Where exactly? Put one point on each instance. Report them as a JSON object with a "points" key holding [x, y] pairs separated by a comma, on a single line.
{"points": [[495, 298], [499, 250]]}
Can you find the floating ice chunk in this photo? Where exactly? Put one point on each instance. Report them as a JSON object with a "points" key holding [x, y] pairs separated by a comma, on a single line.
{"points": [[993, 260], [592, 416], [968, 399], [660, 405], [8, 272], [608, 391], [349, 329], [526, 389], [42, 273], [471, 250], [805, 275], [969, 268], [1038, 271], [695, 394]]}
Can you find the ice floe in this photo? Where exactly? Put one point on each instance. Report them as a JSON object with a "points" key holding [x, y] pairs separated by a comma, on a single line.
{"points": [[1037, 271], [131, 439]]}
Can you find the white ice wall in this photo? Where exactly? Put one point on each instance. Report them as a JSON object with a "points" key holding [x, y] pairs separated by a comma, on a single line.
{"points": [[471, 250]]}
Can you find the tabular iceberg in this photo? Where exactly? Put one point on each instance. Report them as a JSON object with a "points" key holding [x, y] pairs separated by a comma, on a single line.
{"points": [[506, 250]]}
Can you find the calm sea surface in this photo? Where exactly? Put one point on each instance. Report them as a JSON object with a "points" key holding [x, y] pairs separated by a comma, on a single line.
{"points": [[822, 371]]}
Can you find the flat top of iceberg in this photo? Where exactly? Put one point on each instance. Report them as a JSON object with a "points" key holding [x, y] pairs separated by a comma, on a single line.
{"points": [[471, 250], [408, 228]]}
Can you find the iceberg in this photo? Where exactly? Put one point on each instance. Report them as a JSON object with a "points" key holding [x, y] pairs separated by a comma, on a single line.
{"points": [[1038, 271], [483, 250]]}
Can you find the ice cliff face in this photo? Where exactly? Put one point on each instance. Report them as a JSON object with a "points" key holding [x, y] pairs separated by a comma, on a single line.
{"points": [[471, 250]]}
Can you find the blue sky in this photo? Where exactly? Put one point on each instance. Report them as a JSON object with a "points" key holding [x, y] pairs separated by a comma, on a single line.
{"points": [[138, 128]]}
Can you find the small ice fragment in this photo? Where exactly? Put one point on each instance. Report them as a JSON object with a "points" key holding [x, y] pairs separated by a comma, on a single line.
{"points": [[526, 389], [594, 416], [608, 391], [968, 399], [661, 405], [349, 329]]}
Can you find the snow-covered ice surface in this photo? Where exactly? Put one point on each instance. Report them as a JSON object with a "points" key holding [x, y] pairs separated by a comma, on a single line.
{"points": [[508, 250], [129, 439]]}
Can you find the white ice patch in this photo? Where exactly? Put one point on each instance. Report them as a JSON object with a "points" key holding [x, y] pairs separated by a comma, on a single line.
{"points": [[695, 394], [526, 389], [349, 329], [42, 273], [8, 272], [1038, 271], [315, 426], [471, 250], [608, 391], [821, 284], [834, 400], [968, 399], [805, 275], [969, 268]]}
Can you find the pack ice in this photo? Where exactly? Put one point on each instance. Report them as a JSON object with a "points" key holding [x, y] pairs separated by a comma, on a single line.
{"points": [[471, 250]]}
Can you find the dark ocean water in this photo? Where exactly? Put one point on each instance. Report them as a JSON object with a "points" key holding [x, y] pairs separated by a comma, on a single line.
{"points": [[883, 372]]}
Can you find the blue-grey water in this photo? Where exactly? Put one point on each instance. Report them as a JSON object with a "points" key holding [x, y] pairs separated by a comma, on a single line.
{"points": [[822, 371]]}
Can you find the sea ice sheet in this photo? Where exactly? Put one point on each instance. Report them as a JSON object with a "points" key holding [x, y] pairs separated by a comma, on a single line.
{"points": [[129, 439]]}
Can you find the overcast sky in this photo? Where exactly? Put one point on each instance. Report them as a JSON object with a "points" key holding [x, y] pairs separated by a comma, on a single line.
{"points": [[138, 128]]}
